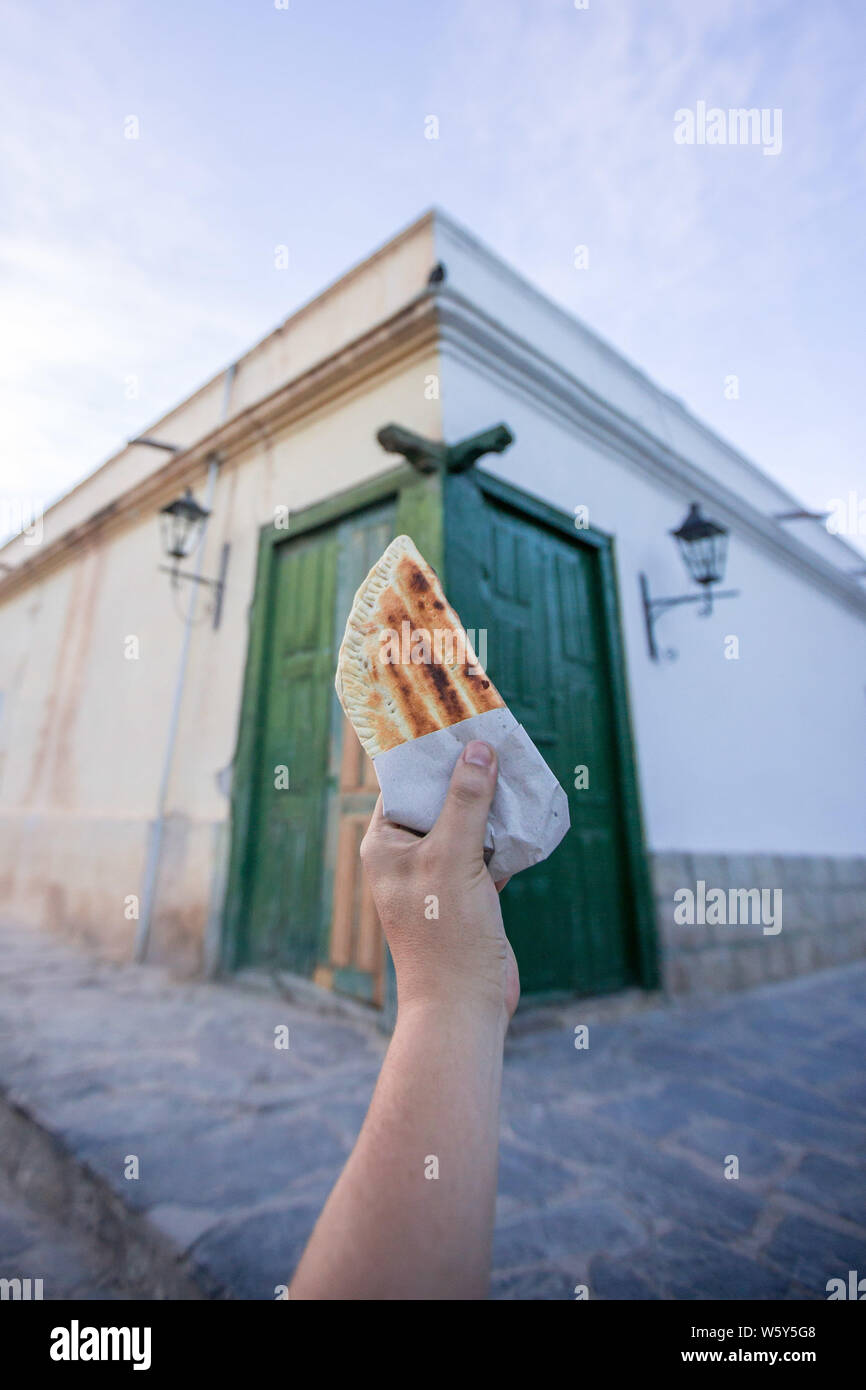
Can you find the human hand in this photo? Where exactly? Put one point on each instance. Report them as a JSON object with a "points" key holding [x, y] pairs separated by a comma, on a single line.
{"points": [[437, 902]]}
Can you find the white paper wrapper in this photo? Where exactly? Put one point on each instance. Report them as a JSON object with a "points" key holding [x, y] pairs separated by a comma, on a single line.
{"points": [[529, 815]]}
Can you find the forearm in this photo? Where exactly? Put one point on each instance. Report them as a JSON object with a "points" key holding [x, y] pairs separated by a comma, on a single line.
{"points": [[391, 1230]]}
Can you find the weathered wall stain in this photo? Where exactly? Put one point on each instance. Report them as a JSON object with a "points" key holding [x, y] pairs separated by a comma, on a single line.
{"points": [[52, 770]]}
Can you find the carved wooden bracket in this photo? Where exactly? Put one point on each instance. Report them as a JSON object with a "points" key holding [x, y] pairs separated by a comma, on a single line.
{"points": [[433, 455]]}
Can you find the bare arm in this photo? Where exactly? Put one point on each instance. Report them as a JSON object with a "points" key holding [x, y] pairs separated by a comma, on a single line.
{"points": [[411, 1215]]}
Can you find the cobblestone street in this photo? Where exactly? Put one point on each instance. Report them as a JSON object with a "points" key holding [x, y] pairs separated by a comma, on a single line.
{"points": [[613, 1157]]}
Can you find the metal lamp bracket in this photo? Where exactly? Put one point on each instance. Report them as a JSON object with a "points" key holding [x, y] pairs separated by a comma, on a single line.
{"points": [[217, 585], [654, 607]]}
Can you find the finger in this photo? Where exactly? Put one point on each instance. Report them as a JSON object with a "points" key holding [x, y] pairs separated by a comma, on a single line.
{"points": [[463, 818], [380, 830]]}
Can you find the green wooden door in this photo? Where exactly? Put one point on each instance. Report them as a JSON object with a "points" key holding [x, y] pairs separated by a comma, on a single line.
{"points": [[353, 959], [288, 821], [572, 919], [580, 922], [303, 789]]}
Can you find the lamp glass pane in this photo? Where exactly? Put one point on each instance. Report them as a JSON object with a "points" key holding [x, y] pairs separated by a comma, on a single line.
{"points": [[178, 534], [704, 557]]}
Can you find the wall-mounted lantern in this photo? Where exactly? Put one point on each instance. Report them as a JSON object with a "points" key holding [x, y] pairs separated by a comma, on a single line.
{"points": [[703, 545], [182, 525]]}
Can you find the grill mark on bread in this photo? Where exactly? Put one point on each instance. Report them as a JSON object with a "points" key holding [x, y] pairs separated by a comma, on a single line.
{"points": [[417, 717], [472, 673], [446, 691], [416, 581], [405, 702]]}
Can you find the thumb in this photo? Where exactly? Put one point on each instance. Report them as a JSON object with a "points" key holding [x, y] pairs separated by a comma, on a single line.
{"points": [[463, 818]]}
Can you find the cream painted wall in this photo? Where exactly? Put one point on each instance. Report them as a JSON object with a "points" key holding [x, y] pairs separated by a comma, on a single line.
{"points": [[84, 728], [326, 455]]}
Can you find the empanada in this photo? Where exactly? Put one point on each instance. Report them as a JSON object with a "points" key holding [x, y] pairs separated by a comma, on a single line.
{"points": [[406, 665]]}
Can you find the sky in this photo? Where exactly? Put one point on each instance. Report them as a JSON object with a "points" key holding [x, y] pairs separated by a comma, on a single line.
{"points": [[133, 270]]}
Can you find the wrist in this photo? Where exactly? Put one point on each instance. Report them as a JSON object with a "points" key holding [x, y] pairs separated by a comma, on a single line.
{"points": [[455, 1013]]}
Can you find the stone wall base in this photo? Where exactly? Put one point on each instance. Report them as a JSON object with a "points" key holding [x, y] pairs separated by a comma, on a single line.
{"points": [[823, 916]]}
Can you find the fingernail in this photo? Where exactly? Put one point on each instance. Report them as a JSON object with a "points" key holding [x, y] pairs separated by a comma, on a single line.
{"points": [[481, 754]]}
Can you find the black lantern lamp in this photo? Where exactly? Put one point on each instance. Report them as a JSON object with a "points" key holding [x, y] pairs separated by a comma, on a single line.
{"points": [[704, 547], [182, 524]]}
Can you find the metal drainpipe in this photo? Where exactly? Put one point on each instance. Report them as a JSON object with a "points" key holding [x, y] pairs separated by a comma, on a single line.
{"points": [[154, 849]]}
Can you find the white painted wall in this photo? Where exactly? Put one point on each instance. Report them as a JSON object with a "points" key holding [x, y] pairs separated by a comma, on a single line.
{"points": [[765, 754], [474, 272]]}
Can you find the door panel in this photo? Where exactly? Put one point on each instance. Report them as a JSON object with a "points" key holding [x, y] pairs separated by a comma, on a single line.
{"points": [[354, 959], [288, 820], [310, 908], [570, 919], [302, 901]]}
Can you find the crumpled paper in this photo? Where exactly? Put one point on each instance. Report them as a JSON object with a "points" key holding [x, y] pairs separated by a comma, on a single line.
{"points": [[529, 815]]}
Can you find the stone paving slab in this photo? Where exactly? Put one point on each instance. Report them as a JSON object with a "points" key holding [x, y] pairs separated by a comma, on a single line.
{"points": [[612, 1161], [35, 1246]]}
